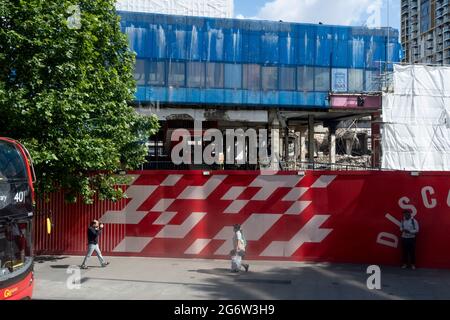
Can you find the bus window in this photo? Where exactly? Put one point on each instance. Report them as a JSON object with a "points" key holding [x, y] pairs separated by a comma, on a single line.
{"points": [[15, 250], [12, 166]]}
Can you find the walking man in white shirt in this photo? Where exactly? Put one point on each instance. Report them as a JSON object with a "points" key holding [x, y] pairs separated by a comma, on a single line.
{"points": [[409, 229]]}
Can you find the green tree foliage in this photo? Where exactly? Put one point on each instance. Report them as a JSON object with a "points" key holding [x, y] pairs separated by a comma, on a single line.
{"points": [[65, 88]]}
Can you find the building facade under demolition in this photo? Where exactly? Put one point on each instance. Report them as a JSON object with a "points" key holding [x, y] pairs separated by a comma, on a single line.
{"points": [[230, 73], [426, 31]]}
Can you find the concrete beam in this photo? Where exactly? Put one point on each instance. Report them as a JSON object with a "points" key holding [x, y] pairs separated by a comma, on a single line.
{"points": [[247, 116]]}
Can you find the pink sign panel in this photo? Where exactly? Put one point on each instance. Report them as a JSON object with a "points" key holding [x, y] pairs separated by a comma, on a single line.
{"points": [[351, 102]]}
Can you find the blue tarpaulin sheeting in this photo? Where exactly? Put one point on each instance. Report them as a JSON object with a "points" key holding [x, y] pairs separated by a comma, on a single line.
{"points": [[196, 60]]}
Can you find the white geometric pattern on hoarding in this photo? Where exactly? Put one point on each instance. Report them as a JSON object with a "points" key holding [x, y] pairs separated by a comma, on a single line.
{"points": [[198, 246], [130, 214], [132, 244], [162, 205], [180, 231], [323, 182], [225, 248], [253, 228], [236, 206], [310, 233], [295, 194], [224, 234], [258, 224], [164, 218], [171, 180], [270, 184], [233, 193], [298, 207], [202, 192]]}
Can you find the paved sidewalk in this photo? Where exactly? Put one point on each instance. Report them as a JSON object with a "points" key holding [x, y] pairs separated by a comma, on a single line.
{"points": [[177, 279]]}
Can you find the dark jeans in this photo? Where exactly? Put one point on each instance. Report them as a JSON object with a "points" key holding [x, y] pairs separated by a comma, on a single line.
{"points": [[409, 251]]}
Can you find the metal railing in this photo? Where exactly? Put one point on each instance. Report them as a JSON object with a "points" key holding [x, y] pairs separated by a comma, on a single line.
{"points": [[321, 166], [283, 166], [168, 165]]}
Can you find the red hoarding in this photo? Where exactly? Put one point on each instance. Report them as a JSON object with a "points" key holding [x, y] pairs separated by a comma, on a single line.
{"points": [[349, 217]]}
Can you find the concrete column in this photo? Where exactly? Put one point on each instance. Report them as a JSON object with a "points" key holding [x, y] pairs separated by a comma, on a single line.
{"points": [[275, 152], [348, 146], [303, 147], [286, 144], [281, 139], [297, 145], [376, 140], [332, 143], [363, 140], [311, 138]]}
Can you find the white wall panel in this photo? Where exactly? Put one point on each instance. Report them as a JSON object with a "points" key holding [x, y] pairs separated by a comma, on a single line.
{"points": [[203, 8], [416, 130]]}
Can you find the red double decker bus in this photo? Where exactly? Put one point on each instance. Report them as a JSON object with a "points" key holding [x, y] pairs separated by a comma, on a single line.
{"points": [[16, 221]]}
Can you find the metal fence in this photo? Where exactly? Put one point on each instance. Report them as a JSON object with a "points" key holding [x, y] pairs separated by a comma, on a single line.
{"points": [[283, 165], [168, 165], [325, 166]]}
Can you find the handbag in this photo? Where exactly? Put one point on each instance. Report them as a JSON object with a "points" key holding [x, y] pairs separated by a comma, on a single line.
{"points": [[240, 253]]}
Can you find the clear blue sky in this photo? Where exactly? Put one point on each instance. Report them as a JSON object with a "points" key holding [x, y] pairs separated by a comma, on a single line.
{"points": [[248, 8], [350, 12]]}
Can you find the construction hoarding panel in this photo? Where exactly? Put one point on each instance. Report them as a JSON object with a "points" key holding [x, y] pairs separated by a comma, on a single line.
{"points": [[320, 216], [416, 117]]}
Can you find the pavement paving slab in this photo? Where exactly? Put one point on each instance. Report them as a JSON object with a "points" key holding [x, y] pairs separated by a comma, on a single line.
{"points": [[132, 278]]}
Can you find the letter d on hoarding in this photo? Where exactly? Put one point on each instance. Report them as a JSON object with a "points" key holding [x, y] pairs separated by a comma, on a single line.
{"points": [[374, 281], [74, 280]]}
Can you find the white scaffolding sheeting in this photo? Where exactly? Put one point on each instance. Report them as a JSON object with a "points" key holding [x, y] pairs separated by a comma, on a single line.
{"points": [[202, 8], [416, 117]]}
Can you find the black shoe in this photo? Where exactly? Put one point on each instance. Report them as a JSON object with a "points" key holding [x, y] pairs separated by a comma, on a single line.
{"points": [[246, 266], [105, 264], [84, 267]]}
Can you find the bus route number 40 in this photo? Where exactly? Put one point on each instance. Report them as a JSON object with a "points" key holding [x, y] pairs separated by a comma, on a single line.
{"points": [[19, 197]]}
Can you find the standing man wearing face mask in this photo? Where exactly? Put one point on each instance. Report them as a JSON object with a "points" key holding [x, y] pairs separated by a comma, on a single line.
{"points": [[409, 229]]}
